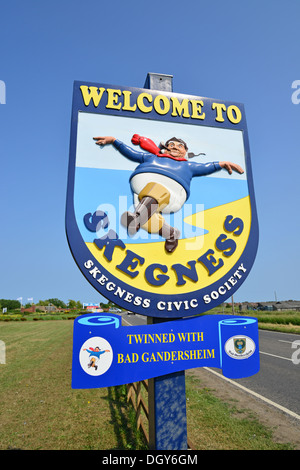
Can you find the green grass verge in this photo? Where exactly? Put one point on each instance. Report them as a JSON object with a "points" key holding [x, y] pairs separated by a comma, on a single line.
{"points": [[288, 322], [216, 425], [39, 410]]}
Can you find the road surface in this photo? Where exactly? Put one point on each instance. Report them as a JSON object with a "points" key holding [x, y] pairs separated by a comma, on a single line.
{"points": [[279, 377], [278, 381]]}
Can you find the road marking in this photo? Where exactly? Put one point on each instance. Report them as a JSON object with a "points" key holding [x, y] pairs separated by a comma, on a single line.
{"points": [[247, 390], [284, 341], [274, 355], [126, 321], [270, 402]]}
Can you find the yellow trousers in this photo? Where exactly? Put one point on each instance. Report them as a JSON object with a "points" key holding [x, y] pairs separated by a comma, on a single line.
{"points": [[162, 196]]}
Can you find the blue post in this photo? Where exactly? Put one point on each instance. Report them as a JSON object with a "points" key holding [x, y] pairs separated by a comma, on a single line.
{"points": [[166, 397], [167, 409], [167, 412]]}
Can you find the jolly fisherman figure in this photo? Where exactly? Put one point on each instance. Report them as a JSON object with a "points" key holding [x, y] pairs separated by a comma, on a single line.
{"points": [[161, 183]]}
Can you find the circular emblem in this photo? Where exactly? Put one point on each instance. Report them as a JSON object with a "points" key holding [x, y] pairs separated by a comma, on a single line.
{"points": [[239, 347], [96, 356]]}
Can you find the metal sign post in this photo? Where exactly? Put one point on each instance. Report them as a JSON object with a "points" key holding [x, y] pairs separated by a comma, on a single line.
{"points": [[167, 412], [166, 396]]}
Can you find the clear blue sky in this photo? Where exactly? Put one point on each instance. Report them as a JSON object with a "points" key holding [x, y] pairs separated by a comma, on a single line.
{"points": [[245, 52]]}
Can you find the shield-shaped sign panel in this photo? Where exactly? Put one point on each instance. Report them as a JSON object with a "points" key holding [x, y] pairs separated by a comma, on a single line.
{"points": [[160, 215]]}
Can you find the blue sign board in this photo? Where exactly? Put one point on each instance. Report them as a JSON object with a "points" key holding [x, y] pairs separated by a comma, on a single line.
{"points": [[161, 216], [105, 353]]}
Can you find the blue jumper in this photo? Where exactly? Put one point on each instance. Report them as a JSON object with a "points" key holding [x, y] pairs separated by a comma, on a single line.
{"points": [[95, 353], [181, 171]]}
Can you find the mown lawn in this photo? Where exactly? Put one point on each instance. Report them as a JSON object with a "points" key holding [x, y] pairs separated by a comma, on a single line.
{"points": [[39, 409]]}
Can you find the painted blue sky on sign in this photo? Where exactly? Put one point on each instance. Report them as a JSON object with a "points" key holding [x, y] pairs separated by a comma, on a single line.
{"points": [[102, 174]]}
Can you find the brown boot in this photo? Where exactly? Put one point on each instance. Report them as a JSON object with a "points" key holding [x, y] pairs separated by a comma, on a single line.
{"points": [[144, 210], [171, 244], [171, 235], [130, 221]]}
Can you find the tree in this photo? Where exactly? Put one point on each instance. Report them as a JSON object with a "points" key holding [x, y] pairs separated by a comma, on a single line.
{"points": [[104, 306], [74, 305], [10, 304], [58, 303]]}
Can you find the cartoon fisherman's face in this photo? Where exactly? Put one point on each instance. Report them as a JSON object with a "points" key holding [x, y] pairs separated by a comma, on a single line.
{"points": [[176, 148]]}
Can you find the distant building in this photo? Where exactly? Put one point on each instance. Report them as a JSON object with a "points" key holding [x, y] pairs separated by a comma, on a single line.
{"points": [[92, 307], [247, 306], [271, 306], [31, 309], [278, 306], [42, 308], [288, 305]]}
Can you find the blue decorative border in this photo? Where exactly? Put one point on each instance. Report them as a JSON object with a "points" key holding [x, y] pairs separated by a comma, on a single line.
{"points": [[76, 243]]}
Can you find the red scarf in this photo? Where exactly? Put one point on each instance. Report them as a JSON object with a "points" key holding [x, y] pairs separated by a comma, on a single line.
{"points": [[150, 146]]}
